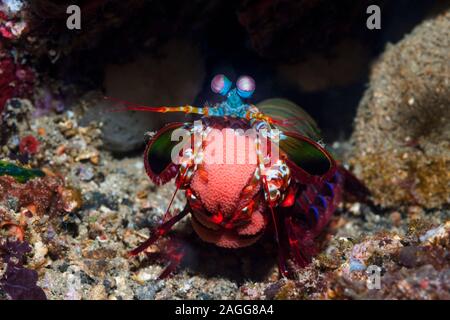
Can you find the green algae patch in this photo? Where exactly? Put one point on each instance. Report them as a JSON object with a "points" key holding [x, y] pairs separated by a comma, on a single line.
{"points": [[20, 174]]}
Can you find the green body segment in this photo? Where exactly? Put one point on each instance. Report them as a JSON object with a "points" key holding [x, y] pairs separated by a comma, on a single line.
{"points": [[306, 155], [20, 174], [302, 122]]}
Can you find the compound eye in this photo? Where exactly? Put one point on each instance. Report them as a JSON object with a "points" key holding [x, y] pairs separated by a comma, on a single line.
{"points": [[220, 84], [245, 86]]}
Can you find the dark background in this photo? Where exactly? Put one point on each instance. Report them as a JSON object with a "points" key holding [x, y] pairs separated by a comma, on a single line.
{"points": [[238, 37]]}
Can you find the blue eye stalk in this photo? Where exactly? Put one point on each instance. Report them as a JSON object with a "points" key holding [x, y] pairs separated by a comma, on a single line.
{"points": [[221, 84], [233, 105]]}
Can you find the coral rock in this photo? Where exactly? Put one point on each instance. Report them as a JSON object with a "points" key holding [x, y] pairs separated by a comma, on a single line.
{"points": [[289, 29], [402, 133], [174, 79], [15, 80]]}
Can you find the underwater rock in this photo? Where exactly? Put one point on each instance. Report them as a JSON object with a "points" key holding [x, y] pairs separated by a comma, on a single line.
{"points": [[54, 39], [19, 282], [402, 134], [346, 65], [120, 26], [174, 77], [423, 283], [46, 195], [287, 30], [16, 80], [11, 23]]}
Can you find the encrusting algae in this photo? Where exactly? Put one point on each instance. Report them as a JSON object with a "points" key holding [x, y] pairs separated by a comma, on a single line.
{"points": [[20, 174]]}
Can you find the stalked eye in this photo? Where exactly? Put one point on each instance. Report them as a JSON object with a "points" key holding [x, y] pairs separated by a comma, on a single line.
{"points": [[220, 84], [245, 86]]}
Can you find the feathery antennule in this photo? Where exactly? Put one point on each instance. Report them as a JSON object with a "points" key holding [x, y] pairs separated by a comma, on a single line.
{"points": [[285, 122], [289, 122], [129, 106]]}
